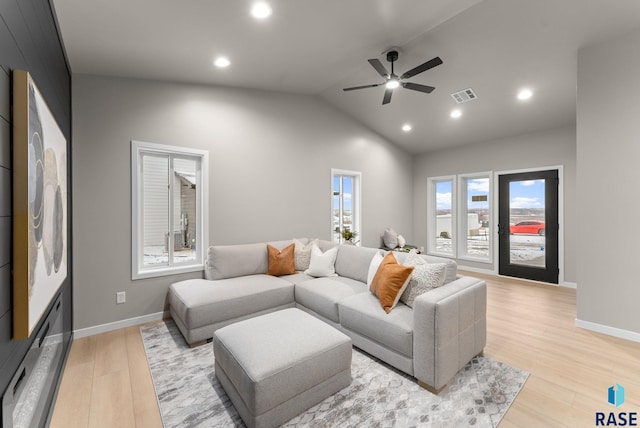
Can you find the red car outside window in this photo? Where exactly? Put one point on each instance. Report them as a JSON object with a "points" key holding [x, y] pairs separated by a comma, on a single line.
{"points": [[531, 227]]}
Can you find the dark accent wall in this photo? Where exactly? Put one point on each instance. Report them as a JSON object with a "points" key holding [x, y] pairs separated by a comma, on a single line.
{"points": [[29, 41]]}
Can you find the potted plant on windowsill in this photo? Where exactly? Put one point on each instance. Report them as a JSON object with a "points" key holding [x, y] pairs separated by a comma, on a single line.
{"points": [[349, 236]]}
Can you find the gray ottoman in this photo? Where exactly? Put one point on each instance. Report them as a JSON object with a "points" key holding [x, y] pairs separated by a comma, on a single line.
{"points": [[276, 366]]}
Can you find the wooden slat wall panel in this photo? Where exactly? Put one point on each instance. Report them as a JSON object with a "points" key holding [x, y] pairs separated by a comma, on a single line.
{"points": [[5, 96], [5, 289], [5, 143], [5, 244], [28, 41], [5, 192]]}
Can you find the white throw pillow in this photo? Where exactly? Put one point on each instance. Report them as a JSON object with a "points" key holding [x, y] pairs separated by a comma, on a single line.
{"points": [[322, 264], [373, 267], [302, 254], [401, 241], [425, 277]]}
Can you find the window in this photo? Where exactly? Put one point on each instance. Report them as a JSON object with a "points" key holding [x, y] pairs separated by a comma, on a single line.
{"points": [[345, 204], [442, 222], [460, 226], [475, 215], [169, 209]]}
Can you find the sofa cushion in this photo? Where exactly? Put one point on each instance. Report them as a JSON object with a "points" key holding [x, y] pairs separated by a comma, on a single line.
{"points": [[322, 295], [230, 261], [390, 281], [352, 283], [362, 314], [451, 267], [326, 245], [297, 277], [281, 262], [353, 261], [200, 302]]}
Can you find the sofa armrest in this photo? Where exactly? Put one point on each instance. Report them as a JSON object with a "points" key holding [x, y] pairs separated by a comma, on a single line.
{"points": [[450, 328]]}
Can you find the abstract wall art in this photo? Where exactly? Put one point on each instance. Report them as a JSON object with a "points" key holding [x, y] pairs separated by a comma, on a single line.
{"points": [[39, 205]]}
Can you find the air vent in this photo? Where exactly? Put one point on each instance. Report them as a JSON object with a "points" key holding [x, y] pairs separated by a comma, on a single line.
{"points": [[464, 95]]}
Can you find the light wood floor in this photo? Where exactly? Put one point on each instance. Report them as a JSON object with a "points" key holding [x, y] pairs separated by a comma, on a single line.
{"points": [[107, 382]]}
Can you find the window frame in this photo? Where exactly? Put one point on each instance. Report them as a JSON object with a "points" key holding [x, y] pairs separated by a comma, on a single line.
{"points": [[463, 218], [356, 202], [432, 213], [138, 149]]}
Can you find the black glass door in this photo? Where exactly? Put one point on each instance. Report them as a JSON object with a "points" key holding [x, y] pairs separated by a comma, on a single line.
{"points": [[528, 225]]}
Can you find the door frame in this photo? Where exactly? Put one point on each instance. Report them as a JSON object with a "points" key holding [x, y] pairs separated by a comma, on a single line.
{"points": [[496, 247]]}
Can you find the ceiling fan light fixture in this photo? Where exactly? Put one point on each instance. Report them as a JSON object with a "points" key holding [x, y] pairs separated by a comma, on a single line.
{"points": [[261, 10], [406, 127], [222, 62], [392, 83], [525, 94]]}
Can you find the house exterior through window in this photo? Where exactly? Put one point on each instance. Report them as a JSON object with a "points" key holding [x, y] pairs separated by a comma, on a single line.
{"points": [[459, 216], [441, 196], [345, 205], [169, 209]]}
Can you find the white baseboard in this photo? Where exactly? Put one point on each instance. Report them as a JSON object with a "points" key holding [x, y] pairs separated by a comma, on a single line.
{"points": [[494, 273], [477, 270], [611, 331], [103, 328]]}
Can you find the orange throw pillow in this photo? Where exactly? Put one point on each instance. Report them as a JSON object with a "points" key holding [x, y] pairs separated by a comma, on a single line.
{"points": [[390, 281], [281, 262]]}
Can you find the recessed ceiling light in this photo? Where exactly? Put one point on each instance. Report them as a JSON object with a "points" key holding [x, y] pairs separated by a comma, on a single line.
{"points": [[455, 113], [222, 62], [406, 127], [261, 10], [525, 94]]}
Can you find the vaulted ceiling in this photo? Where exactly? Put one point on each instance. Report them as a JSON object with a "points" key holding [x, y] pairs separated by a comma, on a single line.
{"points": [[318, 47]]}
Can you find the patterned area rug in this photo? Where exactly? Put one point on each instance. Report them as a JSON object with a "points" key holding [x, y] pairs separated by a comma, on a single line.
{"points": [[189, 394]]}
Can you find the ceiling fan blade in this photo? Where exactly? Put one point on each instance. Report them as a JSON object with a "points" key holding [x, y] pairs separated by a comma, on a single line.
{"points": [[422, 67], [362, 87], [375, 63], [417, 87], [387, 96]]}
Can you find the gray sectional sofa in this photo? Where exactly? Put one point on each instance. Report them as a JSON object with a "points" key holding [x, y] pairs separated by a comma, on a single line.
{"points": [[444, 330]]}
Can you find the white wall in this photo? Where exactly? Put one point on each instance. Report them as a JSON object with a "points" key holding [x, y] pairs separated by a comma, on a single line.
{"points": [[608, 141], [270, 168], [536, 150]]}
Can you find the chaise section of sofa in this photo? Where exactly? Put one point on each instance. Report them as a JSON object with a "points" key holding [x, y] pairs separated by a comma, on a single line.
{"points": [[200, 306], [235, 287]]}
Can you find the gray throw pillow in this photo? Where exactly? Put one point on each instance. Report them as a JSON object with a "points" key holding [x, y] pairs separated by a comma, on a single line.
{"points": [[425, 277], [390, 238]]}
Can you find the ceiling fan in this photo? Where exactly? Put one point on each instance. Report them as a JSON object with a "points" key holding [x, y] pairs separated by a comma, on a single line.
{"points": [[392, 81]]}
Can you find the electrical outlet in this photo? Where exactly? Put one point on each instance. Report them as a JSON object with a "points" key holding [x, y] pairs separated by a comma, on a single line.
{"points": [[121, 297]]}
